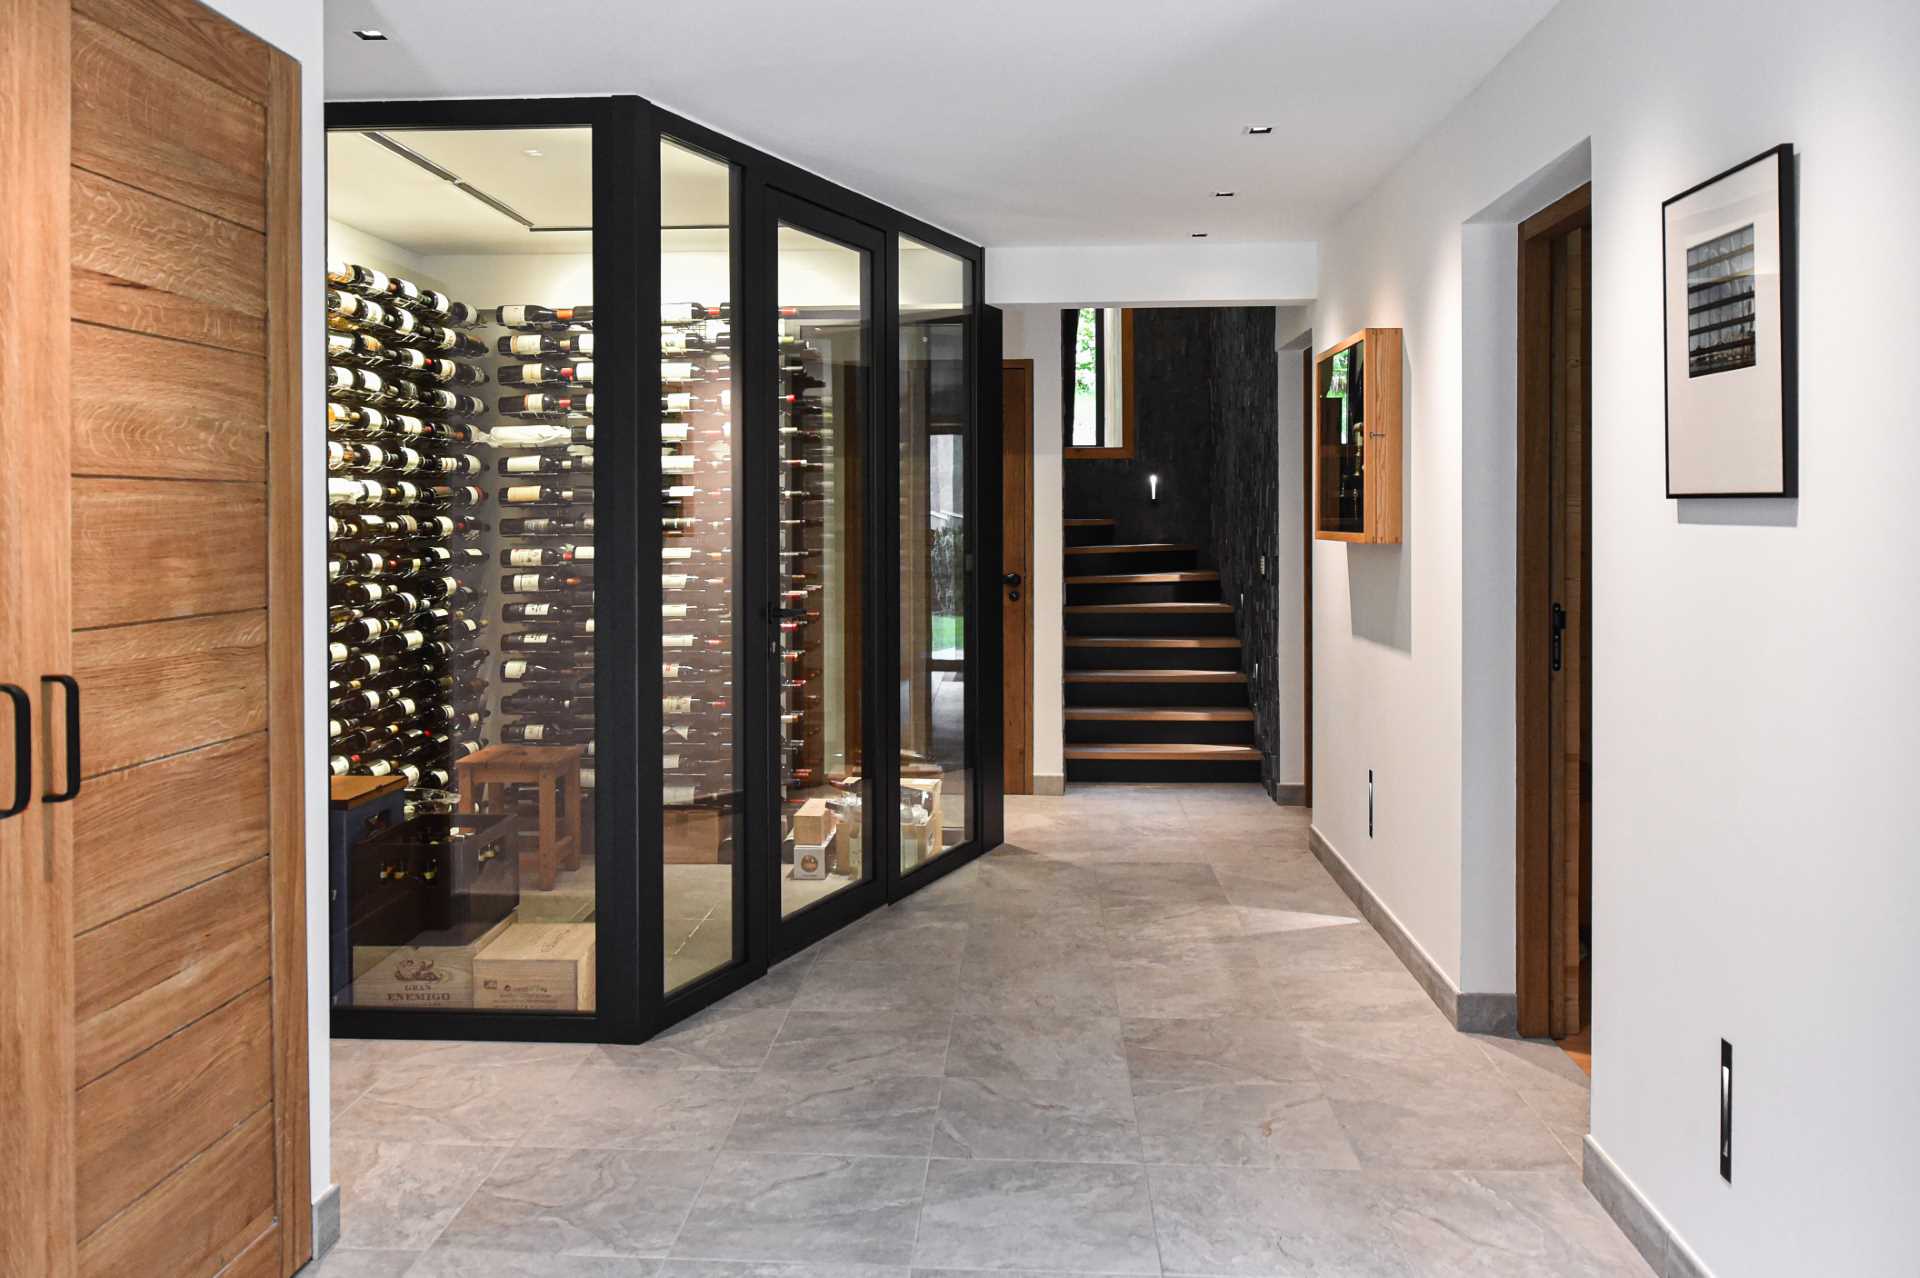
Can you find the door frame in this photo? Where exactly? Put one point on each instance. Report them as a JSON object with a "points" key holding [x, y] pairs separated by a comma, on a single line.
{"points": [[1307, 455], [1545, 893], [1016, 697]]}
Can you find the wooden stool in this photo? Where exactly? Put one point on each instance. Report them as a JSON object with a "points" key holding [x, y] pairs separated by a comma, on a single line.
{"points": [[548, 768]]}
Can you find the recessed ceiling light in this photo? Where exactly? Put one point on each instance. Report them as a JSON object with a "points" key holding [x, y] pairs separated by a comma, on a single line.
{"points": [[534, 151], [370, 33], [1198, 235], [1259, 130], [1223, 195]]}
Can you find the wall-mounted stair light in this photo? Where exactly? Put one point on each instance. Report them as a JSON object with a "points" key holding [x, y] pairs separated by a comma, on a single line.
{"points": [[1153, 488]]}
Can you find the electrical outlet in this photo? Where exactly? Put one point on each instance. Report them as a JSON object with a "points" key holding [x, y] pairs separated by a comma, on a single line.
{"points": [[1726, 1111], [1369, 803]]}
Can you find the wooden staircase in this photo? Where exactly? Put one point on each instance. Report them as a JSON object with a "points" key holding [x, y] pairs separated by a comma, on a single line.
{"points": [[1154, 687]]}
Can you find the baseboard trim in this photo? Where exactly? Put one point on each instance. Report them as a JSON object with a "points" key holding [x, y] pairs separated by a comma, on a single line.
{"points": [[1290, 796], [1664, 1251], [1473, 1013], [326, 1222], [1049, 785]]}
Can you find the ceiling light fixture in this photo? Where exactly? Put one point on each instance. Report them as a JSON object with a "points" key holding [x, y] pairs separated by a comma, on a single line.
{"points": [[1258, 130], [1223, 195], [370, 33], [533, 151], [1198, 235]]}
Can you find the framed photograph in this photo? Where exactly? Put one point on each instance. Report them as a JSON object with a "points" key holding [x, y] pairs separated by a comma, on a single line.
{"points": [[1732, 382]]}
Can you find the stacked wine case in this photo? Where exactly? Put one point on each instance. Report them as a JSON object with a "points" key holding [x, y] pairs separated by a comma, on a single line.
{"points": [[696, 579]]}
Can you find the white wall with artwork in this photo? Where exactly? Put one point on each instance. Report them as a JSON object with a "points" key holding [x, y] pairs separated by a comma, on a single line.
{"points": [[1755, 717]]}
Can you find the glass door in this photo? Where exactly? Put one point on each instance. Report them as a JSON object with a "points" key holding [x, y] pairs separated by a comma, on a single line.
{"points": [[823, 605]]}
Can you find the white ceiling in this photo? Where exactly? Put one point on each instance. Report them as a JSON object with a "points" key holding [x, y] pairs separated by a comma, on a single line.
{"points": [[371, 187], [1006, 121]]}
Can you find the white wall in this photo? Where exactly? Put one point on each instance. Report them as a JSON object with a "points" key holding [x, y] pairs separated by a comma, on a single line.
{"points": [[1183, 274], [296, 29], [1755, 712], [1033, 332]]}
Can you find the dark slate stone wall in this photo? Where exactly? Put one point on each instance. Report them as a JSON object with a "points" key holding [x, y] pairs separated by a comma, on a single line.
{"points": [[1173, 436], [1244, 506]]}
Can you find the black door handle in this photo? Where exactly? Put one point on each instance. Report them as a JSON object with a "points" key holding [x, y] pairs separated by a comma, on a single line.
{"points": [[73, 737], [1012, 579], [22, 751], [1559, 624]]}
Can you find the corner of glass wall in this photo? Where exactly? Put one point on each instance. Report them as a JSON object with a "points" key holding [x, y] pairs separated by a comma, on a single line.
{"points": [[702, 835], [460, 516], [937, 754]]}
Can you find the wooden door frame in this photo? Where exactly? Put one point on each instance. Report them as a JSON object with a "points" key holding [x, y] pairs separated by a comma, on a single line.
{"points": [[1018, 507], [1539, 892]]}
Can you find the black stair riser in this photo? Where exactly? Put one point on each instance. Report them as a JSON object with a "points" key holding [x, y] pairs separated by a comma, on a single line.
{"points": [[1171, 731], [1133, 561], [1081, 658], [1149, 770], [1157, 694], [1110, 624], [1144, 592], [1103, 535]]}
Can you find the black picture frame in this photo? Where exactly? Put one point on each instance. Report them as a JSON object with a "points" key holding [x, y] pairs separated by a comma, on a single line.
{"points": [[1783, 315]]}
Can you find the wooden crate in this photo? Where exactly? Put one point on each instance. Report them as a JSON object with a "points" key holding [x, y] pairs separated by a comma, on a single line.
{"points": [[418, 975], [537, 967]]}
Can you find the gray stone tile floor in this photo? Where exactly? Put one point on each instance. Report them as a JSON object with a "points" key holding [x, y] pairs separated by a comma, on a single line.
{"points": [[1147, 1036]]}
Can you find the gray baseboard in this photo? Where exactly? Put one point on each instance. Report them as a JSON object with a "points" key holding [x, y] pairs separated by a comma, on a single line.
{"points": [[1054, 785], [1290, 796], [1473, 1013], [326, 1221], [1644, 1227]]}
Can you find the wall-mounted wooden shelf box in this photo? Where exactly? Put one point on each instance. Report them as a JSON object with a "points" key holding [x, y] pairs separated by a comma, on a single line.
{"points": [[1356, 427]]}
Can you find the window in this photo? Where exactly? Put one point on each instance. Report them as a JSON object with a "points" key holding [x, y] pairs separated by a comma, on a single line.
{"points": [[1097, 401]]}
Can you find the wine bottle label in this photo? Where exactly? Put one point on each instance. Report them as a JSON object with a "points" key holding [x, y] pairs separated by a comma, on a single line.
{"points": [[675, 612], [671, 762], [675, 432], [513, 316], [676, 371], [533, 639], [538, 609], [412, 638], [402, 321], [583, 554], [408, 491], [336, 651], [589, 626], [583, 372], [412, 774], [373, 662], [671, 670], [407, 705], [525, 581], [676, 705], [534, 731], [683, 490], [674, 465], [439, 554], [678, 794], [378, 282], [674, 580], [675, 552], [513, 670], [524, 558], [524, 493], [676, 641], [529, 465], [377, 456], [677, 402]]}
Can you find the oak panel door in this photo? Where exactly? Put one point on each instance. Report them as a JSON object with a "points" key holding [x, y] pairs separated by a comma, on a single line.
{"points": [[189, 1064]]}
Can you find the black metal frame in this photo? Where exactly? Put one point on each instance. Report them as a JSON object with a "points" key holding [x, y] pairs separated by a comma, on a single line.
{"points": [[633, 1004]]}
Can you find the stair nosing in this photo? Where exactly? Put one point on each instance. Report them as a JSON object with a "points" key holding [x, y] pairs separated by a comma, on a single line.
{"points": [[1130, 548], [1161, 714], [1145, 578], [1151, 641], [1168, 752], [1166, 606], [1149, 675]]}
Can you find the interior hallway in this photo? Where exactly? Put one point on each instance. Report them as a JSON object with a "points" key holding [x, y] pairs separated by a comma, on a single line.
{"points": [[1148, 1036]]}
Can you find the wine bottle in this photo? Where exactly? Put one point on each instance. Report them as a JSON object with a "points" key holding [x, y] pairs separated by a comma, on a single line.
{"points": [[542, 495], [547, 374], [546, 402], [528, 583], [539, 435], [528, 316], [545, 464], [545, 556], [539, 344], [547, 525]]}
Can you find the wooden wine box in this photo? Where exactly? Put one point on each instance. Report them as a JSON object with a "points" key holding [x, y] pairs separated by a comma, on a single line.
{"points": [[537, 967], [920, 840], [419, 975]]}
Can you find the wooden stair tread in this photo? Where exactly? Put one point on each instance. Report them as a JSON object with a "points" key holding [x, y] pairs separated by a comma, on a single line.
{"points": [[1154, 676], [1152, 641], [1144, 578], [1152, 608], [1130, 548], [1197, 752], [1164, 714], [1088, 523]]}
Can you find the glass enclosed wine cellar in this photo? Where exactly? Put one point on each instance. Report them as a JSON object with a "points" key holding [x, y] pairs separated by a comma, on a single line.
{"points": [[558, 531]]}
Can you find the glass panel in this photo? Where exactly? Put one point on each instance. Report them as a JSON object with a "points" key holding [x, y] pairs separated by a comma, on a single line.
{"points": [[822, 545], [1342, 399], [936, 418], [1086, 379], [699, 665], [461, 605]]}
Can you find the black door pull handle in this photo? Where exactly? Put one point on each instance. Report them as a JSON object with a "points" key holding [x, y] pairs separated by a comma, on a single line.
{"points": [[22, 751], [1012, 579], [73, 738], [1559, 624]]}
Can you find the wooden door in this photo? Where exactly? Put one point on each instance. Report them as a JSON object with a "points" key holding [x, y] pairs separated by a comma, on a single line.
{"points": [[1554, 689], [1016, 614], [153, 1025]]}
